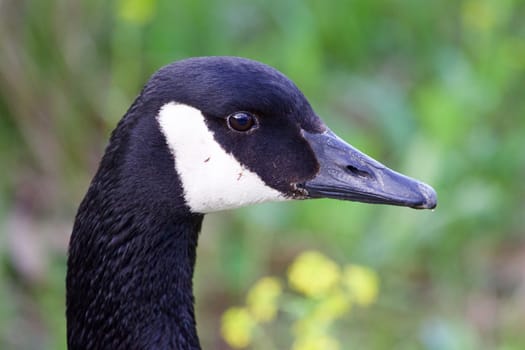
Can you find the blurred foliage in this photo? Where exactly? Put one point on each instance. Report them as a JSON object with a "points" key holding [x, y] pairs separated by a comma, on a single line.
{"points": [[324, 295], [431, 88]]}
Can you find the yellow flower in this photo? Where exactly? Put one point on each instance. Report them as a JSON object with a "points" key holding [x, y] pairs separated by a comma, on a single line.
{"points": [[306, 326], [237, 327], [362, 284], [328, 309], [334, 306], [322, 342], [313, 274], [262, 299], [137, 11]]}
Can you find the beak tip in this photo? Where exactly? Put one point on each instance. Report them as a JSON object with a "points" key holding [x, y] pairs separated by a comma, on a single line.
{"points": [[429, 195]]}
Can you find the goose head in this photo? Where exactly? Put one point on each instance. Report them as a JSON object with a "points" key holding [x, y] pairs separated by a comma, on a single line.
{"points": [[241, 133]]}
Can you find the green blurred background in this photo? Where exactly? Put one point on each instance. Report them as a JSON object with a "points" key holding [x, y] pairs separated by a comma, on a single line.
{"points": [[434, 89]]}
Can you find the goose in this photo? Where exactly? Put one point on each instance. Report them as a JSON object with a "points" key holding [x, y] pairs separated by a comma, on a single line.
{"points": [[205, 134]]}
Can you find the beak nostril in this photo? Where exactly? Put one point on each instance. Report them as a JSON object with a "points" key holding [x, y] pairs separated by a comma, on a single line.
{"points": [[358, 172]]}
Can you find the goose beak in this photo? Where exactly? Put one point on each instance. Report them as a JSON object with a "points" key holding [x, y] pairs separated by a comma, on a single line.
{"points": [[348, 174]]}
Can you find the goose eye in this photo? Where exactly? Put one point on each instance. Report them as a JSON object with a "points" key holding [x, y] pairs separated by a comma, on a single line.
{"points": [[241, 121]]}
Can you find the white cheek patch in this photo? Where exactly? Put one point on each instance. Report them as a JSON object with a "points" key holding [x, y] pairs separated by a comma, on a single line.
{"points": [[212, 179]]}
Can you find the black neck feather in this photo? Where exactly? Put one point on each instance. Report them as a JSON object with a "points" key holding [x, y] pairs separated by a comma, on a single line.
{"points": [[132, 251]]}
